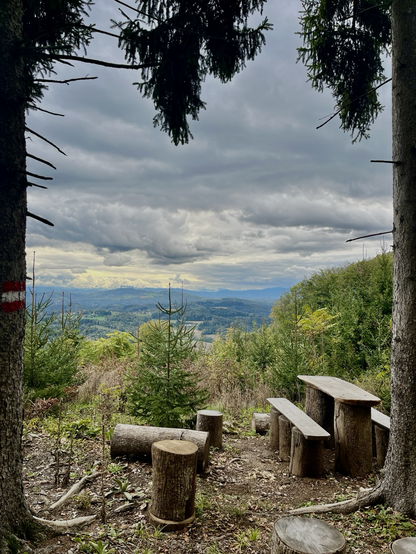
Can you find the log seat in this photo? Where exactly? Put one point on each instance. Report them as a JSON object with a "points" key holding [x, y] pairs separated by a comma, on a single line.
{"points": [[300, 438], [304, 535], [404, 546]]}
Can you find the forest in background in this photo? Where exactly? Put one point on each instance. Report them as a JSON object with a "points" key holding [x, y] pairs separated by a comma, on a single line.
{"points": [[336, 322]]}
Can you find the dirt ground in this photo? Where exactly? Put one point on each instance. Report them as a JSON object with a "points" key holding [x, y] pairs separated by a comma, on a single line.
{"points": [[245, 491]]}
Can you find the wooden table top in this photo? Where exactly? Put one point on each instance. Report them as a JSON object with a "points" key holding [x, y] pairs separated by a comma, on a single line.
{"points": [[341, 390]]}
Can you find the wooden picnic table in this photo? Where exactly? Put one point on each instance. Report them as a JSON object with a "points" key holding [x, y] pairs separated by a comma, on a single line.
{"points": [[344, 410]]}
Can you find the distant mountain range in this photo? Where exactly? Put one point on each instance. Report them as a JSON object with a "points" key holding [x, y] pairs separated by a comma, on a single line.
{"points": [[123, 309], [105, 298]]}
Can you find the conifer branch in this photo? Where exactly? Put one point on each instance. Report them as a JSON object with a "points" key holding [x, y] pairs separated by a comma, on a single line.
{"points": [[41, 219], [34, 107], [352, 101], [39, 176], [372, 235], [61, 57], [45, 139], [40, 160], [66, 81], [29, 184]]}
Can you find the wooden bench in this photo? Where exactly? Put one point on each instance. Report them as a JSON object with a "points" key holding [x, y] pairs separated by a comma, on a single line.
{"points": [[298, 437], [381, 433], [344, 410]]}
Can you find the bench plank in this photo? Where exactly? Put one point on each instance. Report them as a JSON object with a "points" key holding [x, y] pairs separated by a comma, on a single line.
{"points": [[380, 419], [309, 428], [341, 390]]}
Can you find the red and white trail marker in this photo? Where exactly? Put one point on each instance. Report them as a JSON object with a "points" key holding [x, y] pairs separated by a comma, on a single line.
{"points": [[12, 296]]}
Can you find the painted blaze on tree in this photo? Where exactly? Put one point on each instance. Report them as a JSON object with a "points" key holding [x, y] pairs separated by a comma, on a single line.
{"points": [[176, 44]]}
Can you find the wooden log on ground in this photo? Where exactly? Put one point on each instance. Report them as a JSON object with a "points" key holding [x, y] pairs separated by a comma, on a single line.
{"points": [[285, 437], [274, 429], [306, 456], [404, 546], [136, 441], [302, 535], [353, 434], [174, 481], [260, 423], [320, 407], [211, 422]]}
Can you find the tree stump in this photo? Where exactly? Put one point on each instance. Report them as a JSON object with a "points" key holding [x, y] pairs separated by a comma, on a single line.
{"points": [[303, 535], [174, 482], [353, 439], [381, 437], [320, 407], [260, 423], [306, 456], [285, 438], [136, 441], [274, 429], [211, 422], [404, 546]]}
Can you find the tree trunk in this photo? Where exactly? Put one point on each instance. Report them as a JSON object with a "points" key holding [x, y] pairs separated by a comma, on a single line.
{"points": [[14, 513], [400, 469], [306, 456], [174, 483]]}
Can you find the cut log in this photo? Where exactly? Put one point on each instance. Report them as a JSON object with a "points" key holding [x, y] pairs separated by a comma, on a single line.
{"points": [[285, 437], [174, 480], [136, 441], [211, 422], [306, 456], [260, 423], [301, 535], [404, 546], [274, 429], [352, 429], [320, 407]]}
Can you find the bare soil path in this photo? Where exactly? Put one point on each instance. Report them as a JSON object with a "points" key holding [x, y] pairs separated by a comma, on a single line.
{"points": [[244, 492]]}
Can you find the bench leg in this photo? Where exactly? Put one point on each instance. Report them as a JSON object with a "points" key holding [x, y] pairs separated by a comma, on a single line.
{"points": [[353, 439], [306, 457], [285, 437], [320, 407], [274, 429], [382, 443]]}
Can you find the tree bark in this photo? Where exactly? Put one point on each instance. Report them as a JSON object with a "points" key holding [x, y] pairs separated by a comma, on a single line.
{"points": [[306, 456], [285, 438], [211, 422], [260, 423], [353, 439], [137, 440], [14, 512], [320, 407], [174, 484], [400, 468], [274, 429]]}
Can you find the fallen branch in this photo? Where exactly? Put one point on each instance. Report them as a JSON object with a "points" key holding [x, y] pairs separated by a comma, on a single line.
{"points": [[76, 487], [66, 525], [368, 497]]}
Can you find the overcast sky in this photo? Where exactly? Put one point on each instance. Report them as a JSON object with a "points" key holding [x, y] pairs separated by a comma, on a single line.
{"points": [[259, 198]]}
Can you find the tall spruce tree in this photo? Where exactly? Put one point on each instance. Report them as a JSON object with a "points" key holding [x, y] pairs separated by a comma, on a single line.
{"points": [[344, 43], [178, 46]]}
